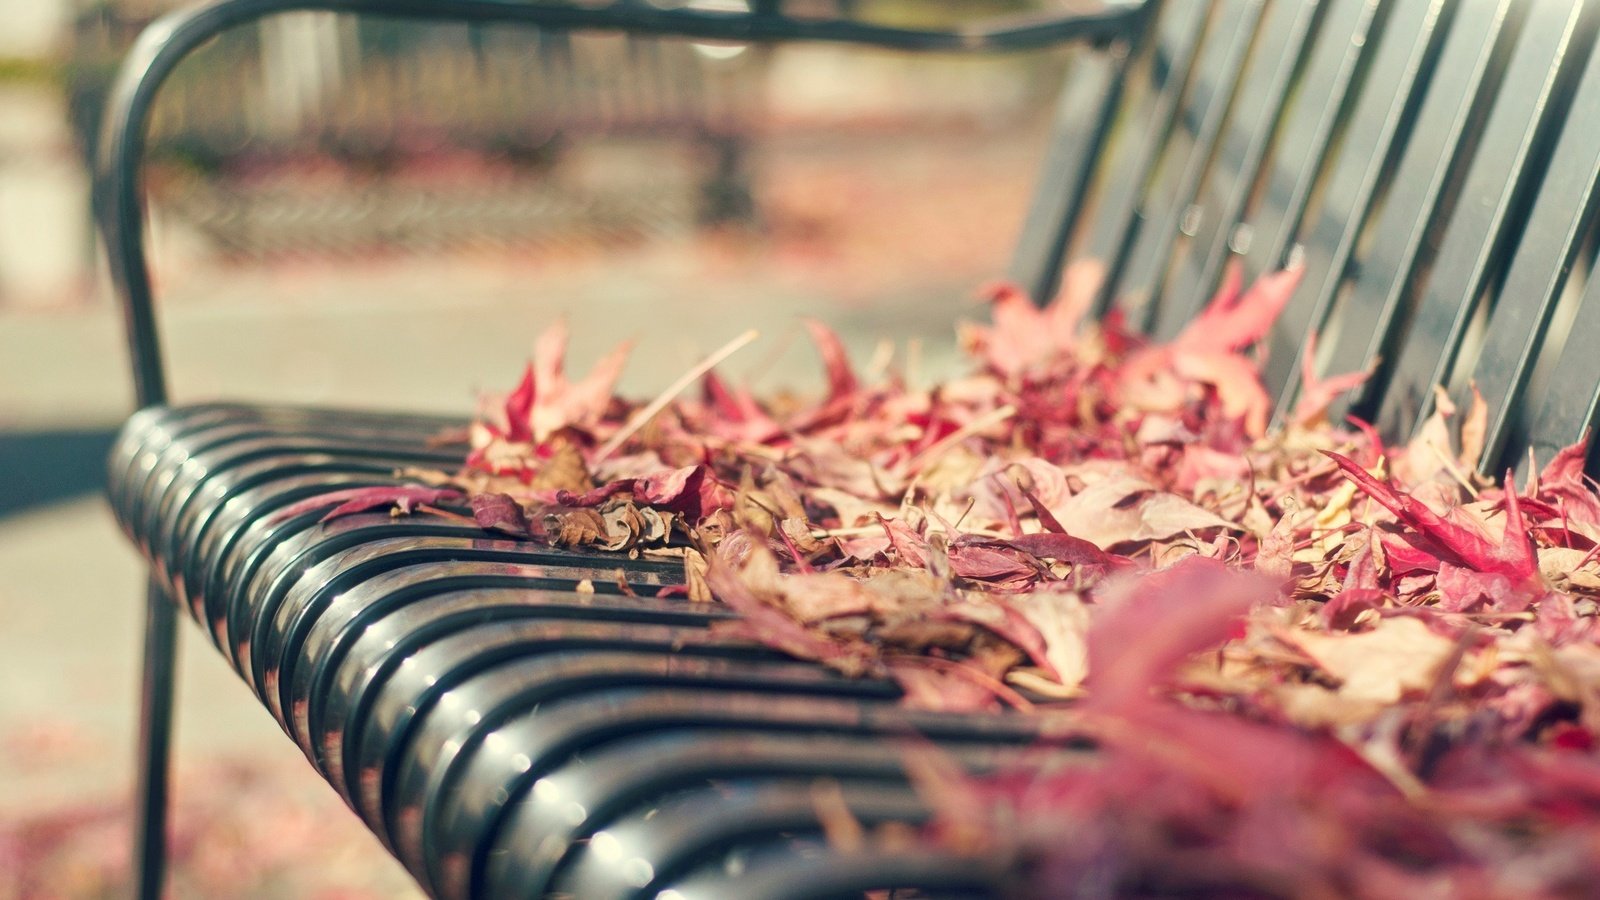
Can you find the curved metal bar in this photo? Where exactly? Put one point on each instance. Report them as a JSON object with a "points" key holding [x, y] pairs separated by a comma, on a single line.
{"points": [[171, 38]]}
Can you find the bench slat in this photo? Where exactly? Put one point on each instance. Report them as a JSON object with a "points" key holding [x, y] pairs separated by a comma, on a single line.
{"points": [[1562, 216], [1571, 405], [1444, 134], [1278, 62], [610, 785], [1141, 130], [707, 821], [1530, 103], [1388, 96], [1088, 107], [1184, 156]]}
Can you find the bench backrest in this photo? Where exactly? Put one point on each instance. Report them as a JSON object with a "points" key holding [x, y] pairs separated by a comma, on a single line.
{"points": [[1431, 163]]}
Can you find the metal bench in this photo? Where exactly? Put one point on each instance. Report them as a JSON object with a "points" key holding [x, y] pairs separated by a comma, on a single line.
{"points": [[1433, 163]]}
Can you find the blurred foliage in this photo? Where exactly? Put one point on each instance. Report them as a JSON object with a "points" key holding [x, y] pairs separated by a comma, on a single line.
{"points": [[31, 71]]}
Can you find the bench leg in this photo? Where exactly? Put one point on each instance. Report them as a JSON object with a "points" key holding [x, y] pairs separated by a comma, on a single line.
{"points": [[155, 738]]}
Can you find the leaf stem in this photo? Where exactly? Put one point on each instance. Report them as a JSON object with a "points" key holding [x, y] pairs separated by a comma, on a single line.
{"points": [[654, 407], [940, 447]]}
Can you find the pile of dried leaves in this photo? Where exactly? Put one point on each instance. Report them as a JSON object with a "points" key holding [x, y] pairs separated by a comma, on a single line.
{"points": [[1313, 664]]}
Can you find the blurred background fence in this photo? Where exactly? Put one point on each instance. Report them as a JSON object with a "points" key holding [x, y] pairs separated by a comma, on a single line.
{"points": [[324, 134]]}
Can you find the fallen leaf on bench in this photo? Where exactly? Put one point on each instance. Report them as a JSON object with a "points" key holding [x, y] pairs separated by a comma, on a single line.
{"points": [[575, 527], [356, 500], [1397, 656], [1129, 510], [499, 512]]}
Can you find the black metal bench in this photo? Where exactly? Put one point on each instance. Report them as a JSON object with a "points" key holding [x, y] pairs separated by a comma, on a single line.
{"points": [[1433, 163]]}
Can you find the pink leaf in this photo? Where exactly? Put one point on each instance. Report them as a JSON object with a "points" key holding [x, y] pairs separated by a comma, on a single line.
{"points": [[1432, 533], [910, 546], [1046, 517], [355, 500], [499, 512], [1168, 616], [586, 400], [1342, 608], [519, 409], [691, 491], [1568, 463], [1227, 324], [595, 496], [734, 405], [991, 563], [936, 684], [1023, 336], [1063, 547], [765, 623], [1080, 285], [1563, 482], [1237, 382], [1275, 558], [667, 485], [1317, 394], [1462, 589], [1011, 625], [841, 379]]}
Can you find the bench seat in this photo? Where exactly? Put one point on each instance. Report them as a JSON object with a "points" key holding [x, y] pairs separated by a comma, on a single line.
{"points": [[501, 731]]}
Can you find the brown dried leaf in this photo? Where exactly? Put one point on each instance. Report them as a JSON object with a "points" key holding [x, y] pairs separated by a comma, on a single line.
{"points": [[628, 526], [814, 598], [1399, 656], [564, 470], [575, 527], [1123, 510], [1062, 619], [500, 512], [694, 577], [1561, 565], [752, 509], [798, 533]]}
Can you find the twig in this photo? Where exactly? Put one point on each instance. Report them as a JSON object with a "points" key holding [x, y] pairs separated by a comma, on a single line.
{"points": [[1038, 684], [882, 357], [764, 367], [971, 502], [649, 411], [856, 531], [943, 445], [1453, 468], [446, 514], [970, 673]]}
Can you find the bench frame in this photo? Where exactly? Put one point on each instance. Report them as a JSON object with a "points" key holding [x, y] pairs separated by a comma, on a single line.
{"points": [[121, 211]]}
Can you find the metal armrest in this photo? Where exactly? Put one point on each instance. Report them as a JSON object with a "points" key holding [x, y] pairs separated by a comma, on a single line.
{"points": [[167, 41]]}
